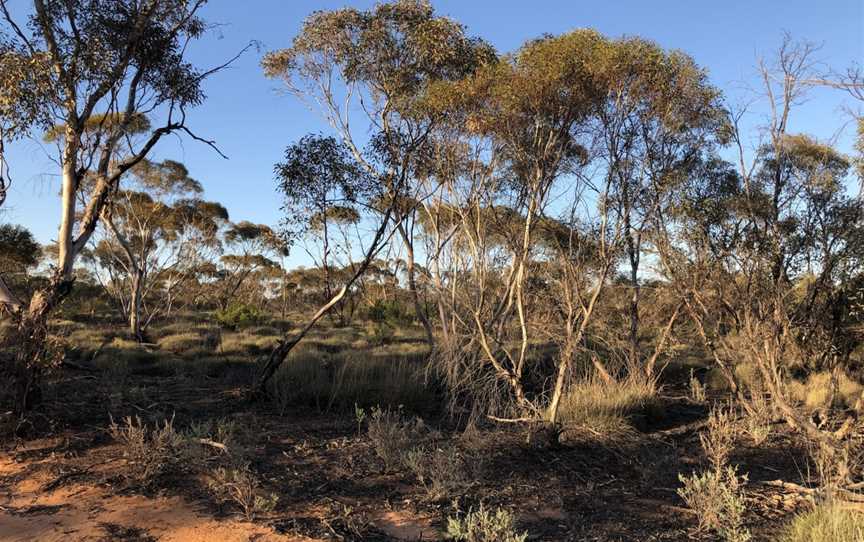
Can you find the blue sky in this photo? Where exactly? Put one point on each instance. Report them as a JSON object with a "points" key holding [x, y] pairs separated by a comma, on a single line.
{"points": [[252, 121]]}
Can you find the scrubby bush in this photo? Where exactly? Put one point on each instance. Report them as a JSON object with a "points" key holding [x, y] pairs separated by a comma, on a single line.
{"points": [[239, 485], [240, 315], [716, 495], [390, 311], [442, 472], [150, 451], [393, 435], [483, 525]]}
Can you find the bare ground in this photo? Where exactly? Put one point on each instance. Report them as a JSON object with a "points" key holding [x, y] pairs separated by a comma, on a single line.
{"points": [[65, 481]]}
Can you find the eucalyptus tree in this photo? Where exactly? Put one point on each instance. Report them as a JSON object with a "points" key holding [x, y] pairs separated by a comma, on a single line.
{"points": [[658, 116], [378, 62], [769, 253], [118, 59], [251, 247], [525, 121], [156, 231], [19, 252]]}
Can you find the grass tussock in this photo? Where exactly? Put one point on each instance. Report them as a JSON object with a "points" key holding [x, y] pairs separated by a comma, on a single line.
{"points": [[816, 391], [248, 343], [826, 523], [606, 407], [325, 380]]}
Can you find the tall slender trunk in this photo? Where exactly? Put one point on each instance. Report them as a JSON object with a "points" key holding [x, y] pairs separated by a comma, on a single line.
{"points": [[412, 286], [633, 253], [31, 335], [283, 348], [66, 250], [135, 305]]}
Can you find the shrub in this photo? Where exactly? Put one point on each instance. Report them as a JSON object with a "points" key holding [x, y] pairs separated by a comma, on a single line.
{"points": [[485, 526], [393, 435], [150, 451], [826, 523], [239, 315], [441, 472], [240, 485], [716, 495], [220, 434], [697, 388], [379, 333], [758, 423], [392, 312]]}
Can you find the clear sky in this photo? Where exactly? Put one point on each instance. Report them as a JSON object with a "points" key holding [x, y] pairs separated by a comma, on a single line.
{"points": [[253, 122]]}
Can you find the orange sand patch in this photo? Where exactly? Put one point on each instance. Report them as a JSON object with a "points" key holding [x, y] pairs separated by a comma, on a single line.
{"points": [[84, 513]]}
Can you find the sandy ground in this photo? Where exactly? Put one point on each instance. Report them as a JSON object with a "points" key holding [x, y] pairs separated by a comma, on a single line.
{"points": [[86, 513]]}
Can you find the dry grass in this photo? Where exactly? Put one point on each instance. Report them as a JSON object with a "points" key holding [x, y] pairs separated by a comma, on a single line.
{"points": [[826, 523], [325, 380], [484, 525], [247, 343], [604, 407], [815, 392], [184, 343]]}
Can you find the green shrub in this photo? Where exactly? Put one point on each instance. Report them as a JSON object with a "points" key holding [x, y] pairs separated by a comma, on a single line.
{"points": [[240, 315], [717, 498], [717, 494], [390, 311]]}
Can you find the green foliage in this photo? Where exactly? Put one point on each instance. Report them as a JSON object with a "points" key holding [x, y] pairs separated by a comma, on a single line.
{"points": [[717, 494], [390, 311], [717, 498], [18, 248], [483, 525], [240, 315]]}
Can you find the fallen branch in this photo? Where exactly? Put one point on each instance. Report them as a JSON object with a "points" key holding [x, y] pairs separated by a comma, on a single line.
{"points": [[790, 486], [213, 443]]}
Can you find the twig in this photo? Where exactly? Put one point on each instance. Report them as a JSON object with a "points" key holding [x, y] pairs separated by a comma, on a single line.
{"points": [[214, 444]]}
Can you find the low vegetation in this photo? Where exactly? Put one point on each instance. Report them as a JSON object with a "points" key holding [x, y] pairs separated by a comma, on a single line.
{"points": [[566, 292]]}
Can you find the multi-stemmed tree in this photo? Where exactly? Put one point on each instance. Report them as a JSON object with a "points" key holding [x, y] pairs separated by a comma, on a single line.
{"points": [[93, 68], [382, 60], [156, 231]]}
